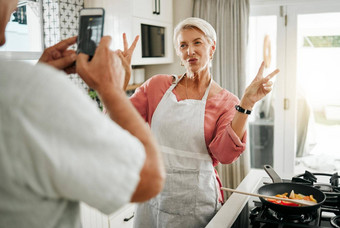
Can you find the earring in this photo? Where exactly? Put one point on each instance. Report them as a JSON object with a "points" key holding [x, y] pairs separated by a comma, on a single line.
{"points": [[182, 64]]}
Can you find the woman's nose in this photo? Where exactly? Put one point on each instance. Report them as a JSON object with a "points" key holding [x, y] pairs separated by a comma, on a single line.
{"points": [[191, 50]]}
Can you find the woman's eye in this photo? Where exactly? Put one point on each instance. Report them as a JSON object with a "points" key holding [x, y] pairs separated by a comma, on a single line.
{"points": [[198, 42], [183, 45]]}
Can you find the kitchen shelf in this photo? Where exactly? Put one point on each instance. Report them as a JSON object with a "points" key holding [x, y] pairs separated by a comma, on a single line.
{"points": [[133, 87]]}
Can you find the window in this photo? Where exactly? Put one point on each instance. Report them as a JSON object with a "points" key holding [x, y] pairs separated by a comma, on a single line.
{"points": [[24, 32]]}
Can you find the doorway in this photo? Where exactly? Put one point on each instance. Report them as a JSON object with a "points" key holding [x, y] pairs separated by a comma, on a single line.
{"points": [[318, 95], [304, 107]]}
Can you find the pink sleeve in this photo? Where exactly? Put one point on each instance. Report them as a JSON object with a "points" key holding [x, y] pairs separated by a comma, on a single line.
{"points": [[140, 100], [147, 96], [225, 146]]}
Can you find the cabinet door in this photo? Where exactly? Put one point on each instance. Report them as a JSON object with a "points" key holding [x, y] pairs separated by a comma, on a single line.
{"points": [[118, 19], [123, 218], [92, 218], [160, 10]]}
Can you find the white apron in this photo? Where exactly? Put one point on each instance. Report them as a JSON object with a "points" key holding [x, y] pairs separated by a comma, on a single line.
{"points": [[190, 195]]}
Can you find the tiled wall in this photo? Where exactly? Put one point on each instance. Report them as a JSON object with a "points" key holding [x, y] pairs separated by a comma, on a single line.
{"points": [[60, 21], [69, 16], [60, 18]]}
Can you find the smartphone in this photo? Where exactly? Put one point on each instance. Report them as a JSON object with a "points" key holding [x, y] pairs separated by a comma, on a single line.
{"points": [[91, 26]]}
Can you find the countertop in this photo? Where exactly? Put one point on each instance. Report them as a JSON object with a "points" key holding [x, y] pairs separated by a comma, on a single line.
{"points": [[227, 215]]}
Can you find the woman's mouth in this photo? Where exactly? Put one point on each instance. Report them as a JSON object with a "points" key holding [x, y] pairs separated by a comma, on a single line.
{"points": [[192, 60]]}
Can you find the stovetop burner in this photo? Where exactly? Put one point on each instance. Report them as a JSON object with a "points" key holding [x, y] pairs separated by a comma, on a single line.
{"points": [[335, 221], [261, 216], [302, 218], [331, 189]]}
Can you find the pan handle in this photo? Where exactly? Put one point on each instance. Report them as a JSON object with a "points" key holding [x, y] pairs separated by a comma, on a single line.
{"points": [[272, 174]]}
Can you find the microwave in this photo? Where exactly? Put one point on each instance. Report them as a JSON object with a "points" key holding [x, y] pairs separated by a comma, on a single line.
{"points": [[152, 41], [155, 44]]}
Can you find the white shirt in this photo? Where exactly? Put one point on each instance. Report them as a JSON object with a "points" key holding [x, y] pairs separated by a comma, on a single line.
{"points": [[57, 148]]}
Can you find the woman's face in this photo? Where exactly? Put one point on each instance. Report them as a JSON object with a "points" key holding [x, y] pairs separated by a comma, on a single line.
{"points": [[194, 49]]}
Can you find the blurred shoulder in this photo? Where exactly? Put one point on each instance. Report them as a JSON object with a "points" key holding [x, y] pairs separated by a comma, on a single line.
{"points": [[19, 70], [159, 81]]}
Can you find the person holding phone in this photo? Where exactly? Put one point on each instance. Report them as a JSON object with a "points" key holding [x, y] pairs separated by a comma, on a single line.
{"points": [[197, 125], [57, 148]]}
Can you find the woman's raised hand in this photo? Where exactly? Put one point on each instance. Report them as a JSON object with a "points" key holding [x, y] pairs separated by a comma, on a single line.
{"points": [[126, 57], [258, 88]]}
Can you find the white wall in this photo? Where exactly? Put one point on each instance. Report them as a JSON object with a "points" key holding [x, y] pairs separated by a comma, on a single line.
{"points": [[182, 9]]}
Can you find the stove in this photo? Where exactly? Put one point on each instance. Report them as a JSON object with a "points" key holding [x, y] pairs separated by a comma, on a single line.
{"points": [[256, 215], [325, 182]]}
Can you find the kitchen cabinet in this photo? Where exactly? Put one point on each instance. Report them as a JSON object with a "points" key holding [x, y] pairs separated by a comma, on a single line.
{"points": [[158, 10], [118, 19], [123, 218], [128, 16], [92, 218]]}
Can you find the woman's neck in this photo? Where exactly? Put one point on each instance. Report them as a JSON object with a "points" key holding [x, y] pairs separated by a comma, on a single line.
{"points": [[199, 79]]}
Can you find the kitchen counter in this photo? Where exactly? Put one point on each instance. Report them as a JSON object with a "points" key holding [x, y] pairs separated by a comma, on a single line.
{"points": [[227, 215]]}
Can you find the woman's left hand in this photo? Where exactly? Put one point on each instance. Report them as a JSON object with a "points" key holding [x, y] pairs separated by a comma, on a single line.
{"points": [[258, 88], [126, 57]]}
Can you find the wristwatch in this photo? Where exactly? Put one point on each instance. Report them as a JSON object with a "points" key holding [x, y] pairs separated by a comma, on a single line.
{"points": [[242, 110]]}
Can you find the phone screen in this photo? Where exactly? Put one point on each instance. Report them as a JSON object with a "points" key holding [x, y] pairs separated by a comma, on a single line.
{"points": [[90, 33]]}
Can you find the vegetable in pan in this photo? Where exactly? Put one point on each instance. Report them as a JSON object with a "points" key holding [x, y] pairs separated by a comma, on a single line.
{"points": [[292, 195]]}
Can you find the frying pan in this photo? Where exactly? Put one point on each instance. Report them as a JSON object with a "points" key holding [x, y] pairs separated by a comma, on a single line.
{"points": [[279, 187]]}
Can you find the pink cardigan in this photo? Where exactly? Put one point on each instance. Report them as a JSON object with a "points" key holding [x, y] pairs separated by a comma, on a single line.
{"points": [[222, 142]]}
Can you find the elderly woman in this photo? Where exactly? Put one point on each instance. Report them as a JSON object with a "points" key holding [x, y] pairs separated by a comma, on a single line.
{"points": [[197, 124]]}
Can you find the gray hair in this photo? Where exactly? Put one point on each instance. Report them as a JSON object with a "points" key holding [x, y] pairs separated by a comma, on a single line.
{"points": [[195, 23]]}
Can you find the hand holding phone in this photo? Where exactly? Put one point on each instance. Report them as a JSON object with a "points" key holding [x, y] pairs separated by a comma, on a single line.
{"points": [[91, 26]]}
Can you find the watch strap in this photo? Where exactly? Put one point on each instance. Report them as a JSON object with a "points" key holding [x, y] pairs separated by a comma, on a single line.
{"points": [[242, 110]]}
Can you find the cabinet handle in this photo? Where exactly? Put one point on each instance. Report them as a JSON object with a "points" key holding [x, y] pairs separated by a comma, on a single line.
{"points": [[129, 218], [155, 7], [159, 7]]}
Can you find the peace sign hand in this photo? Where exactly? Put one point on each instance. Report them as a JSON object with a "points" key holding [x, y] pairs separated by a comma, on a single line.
{"points": [[126, 57], [258, 88]]}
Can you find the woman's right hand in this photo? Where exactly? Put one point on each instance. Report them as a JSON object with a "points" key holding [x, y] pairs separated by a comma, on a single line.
{"points": [[104, 71], [126, 57]]}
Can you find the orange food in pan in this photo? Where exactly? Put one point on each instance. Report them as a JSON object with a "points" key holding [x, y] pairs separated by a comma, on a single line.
{"points": [[292, 195]]}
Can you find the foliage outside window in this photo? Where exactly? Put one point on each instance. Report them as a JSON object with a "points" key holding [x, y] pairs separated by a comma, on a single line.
{"points": [[321, 41]]}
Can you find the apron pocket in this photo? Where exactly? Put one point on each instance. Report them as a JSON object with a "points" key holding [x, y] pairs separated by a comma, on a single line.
{"points": [[179, 193]]}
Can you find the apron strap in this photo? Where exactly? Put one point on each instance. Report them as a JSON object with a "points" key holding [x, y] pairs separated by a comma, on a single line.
{"points": [[207, 91]]}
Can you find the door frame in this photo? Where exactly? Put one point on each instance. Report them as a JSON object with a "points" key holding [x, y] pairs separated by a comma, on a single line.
{"points": [[279, 117], [285, 105]]}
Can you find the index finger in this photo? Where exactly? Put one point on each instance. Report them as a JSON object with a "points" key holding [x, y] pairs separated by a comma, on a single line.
{"points": [[134, 43], [272, 74], [64, 44], [125, 42], [260, 72]]}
